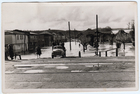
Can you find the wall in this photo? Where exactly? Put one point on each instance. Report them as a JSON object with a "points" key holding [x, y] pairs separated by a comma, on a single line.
{"points": [[8, 39], [18, 42]]}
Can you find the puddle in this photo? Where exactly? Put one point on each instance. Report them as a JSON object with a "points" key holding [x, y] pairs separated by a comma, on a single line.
{"points": [[49, 66], [93, 71], [76, 71], [23, 68], [34, 71], [33, 65], [88, 65], [62, 67], [9, 71]]}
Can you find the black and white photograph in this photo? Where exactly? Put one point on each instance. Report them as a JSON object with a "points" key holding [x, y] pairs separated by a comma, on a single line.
{"points": [[69, 46]]}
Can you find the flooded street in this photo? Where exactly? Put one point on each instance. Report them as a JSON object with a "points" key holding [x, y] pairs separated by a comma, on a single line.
{"points": [[129, 49], [75, 48]]}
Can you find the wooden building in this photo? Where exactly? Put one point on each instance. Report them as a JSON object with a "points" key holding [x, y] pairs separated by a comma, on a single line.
{"points": [[19, 40], [32, 40], [46, 38]]}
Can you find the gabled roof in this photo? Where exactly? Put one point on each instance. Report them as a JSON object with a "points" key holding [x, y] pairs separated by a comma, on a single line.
{"points": [[13, 32], [45, 33]]}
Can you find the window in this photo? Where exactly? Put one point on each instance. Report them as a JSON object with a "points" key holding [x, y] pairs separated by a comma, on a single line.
{"points": [[21, 37], [17, 37]]}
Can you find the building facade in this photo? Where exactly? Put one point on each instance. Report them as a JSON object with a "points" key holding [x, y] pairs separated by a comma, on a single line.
{"points": [[18, 39]]}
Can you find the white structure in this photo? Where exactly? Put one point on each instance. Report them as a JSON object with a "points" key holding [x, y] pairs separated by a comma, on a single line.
{"points": [[125, 30]]}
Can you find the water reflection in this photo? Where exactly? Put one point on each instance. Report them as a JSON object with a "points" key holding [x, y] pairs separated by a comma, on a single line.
{"points": [[129, 49]]}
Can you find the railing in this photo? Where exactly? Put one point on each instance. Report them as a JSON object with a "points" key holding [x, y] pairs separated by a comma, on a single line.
{"points": [[109, 50]]}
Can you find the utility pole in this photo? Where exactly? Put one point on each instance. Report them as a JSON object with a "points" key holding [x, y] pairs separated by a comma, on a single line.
{"points": [[24, 41], [75, 35], [69, 35], [97, 35]]}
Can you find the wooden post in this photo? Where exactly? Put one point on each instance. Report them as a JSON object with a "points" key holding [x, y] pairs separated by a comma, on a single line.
{"points": [[15, 56], [79, 54], [69, 34], [24, 41], [100, 54], [106, 53], [20, 57], [116, 51], [124, 48], [75, 35], [65, 38]]}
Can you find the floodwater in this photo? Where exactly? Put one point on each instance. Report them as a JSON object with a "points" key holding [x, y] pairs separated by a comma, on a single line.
{"points": [[33, 71], [62, 67], [128, 51], [76, 47]]}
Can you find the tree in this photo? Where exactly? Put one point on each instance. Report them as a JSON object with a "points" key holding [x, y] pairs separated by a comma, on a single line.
{"points": [[133, 25], [132, 37], [91, 36], [121, 37], [107, 28], [132, 33]]}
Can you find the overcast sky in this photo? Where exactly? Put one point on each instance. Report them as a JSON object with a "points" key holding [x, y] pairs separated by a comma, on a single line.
{"points": [[42, 16]]}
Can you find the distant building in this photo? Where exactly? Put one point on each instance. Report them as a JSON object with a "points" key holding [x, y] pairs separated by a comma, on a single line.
{"points": [[57, 35], [46, 38], [32, 41]]}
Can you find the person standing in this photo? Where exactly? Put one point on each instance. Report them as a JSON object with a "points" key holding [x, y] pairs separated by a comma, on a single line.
{"points": [[6, 52], [53, 44], [38, 52], [11, 51]]}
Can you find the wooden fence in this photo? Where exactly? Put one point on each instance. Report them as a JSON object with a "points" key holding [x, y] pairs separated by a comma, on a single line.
{"points": [[107, 51]]}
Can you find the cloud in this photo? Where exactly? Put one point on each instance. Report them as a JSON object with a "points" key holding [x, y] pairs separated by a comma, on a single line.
{"points": [[35, 16]]}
